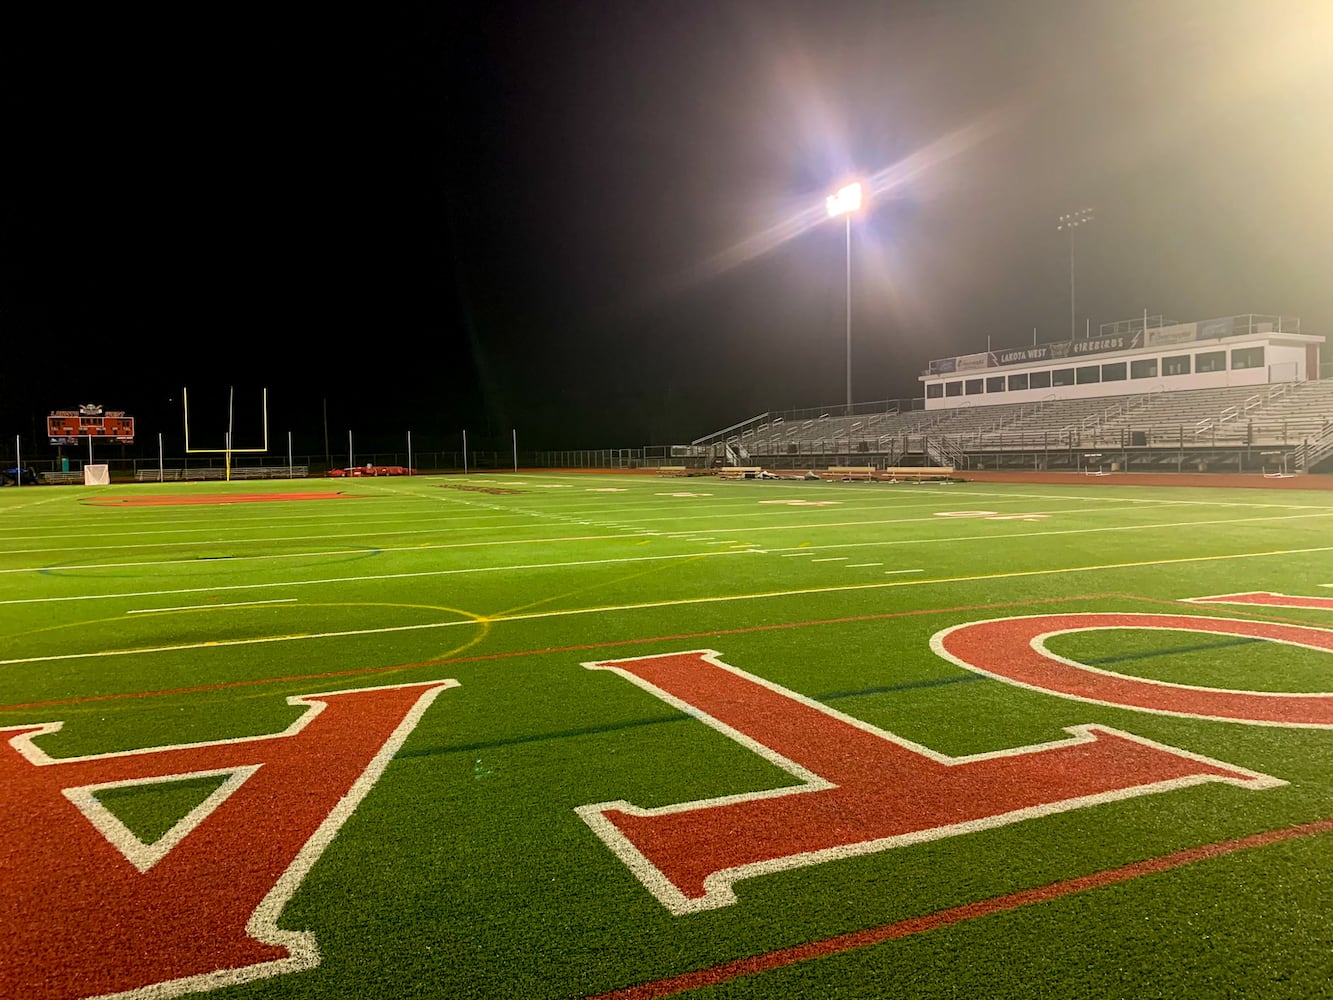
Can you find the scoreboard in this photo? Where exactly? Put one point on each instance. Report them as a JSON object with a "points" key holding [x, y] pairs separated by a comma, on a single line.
{"points": [[70, 426]]}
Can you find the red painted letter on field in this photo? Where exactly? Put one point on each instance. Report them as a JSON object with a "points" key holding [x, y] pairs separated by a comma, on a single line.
{"points": [[1267, 599], [863, 789], [86, 909], [1014, 650]]}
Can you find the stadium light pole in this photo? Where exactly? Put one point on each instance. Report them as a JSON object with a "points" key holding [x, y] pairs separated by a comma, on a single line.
{"points": [[845, 201], [1068, 223]]}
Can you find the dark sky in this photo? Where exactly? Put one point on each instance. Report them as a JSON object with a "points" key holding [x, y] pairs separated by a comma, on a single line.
{"points": [[557, 217]]}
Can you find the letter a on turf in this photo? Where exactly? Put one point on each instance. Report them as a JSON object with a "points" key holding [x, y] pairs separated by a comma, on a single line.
{"points": [[88, 910], [863, 789]]}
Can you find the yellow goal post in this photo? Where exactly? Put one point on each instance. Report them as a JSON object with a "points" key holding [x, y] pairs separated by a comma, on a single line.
{"points": [[228, 450]]}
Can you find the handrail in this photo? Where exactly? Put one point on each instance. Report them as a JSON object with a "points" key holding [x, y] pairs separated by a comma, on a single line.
{"points": [[725, 430], [1311, 452], [1283, 388]]}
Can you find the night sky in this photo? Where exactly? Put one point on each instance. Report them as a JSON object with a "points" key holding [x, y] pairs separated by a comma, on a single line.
{"points": [[586, 221]]}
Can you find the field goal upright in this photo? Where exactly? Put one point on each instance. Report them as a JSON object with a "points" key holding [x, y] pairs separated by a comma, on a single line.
{"points": [[228, 448]]}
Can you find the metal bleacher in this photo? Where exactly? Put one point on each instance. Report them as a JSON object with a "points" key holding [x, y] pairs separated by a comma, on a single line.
{"points": [[1295, 417]]}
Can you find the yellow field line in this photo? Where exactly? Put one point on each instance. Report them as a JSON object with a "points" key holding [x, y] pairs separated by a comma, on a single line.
{"points": [[677, 602]]}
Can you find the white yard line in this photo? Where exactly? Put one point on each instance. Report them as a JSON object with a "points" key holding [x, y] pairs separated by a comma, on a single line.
{"points": [[1163, 501], [196, 561], [212, 607], [327, 553], [804, 550], [679, 602], [379, 576], [1081, 508], [233, 541], [821, 526]]}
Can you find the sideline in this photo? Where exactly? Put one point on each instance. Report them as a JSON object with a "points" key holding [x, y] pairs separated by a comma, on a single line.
{"points": [[862, 544]]}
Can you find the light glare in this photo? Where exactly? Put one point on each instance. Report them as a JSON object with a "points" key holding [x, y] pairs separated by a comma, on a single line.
{"points": [[847, 199]]}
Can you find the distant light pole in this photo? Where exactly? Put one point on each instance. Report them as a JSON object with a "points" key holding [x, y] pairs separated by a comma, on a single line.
{"points": [[1069, 223], [844, 202]]}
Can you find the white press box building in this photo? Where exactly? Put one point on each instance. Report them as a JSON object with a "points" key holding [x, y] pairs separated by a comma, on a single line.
{"points": [[1136, 356]]}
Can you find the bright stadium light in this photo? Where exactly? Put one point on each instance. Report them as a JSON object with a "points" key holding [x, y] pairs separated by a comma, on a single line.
{"points": [[1068, 223], [845, 201]]}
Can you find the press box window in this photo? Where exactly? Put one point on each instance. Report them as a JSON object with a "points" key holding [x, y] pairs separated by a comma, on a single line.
{"points": [[1062, 376], [1147, 368], [1114, 373], [1017, 382], [995, 384], [974, 386], [935, 390], [1247, 357], [953, 388], [1178, 365], [1088, 374], [1212, 361], [1040, 380]]}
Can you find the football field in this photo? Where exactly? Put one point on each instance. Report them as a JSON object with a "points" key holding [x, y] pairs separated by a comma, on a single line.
{"points": [[579, 736]]}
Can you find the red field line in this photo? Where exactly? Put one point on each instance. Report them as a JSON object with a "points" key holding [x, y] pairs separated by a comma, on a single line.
{"points": [[841, 943], [591, 646], [579, 648], [182, 500]]}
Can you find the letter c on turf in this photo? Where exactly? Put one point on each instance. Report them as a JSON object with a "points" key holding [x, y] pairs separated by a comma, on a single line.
{"points": [[1014, 650]]}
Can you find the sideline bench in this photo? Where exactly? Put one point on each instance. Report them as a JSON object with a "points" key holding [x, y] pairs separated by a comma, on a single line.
{"points": [[740, 471], [371, 470], [919, 472], [59, 478], [672, 470], [210, 474], [866, 472]]}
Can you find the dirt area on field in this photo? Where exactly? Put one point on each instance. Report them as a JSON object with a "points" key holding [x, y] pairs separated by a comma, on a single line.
{"points": [[495, 491], [182, 499]]}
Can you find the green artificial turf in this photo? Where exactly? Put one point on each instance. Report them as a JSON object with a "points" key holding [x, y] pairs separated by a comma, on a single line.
{"points": [[149, 811], [466, 871]]}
